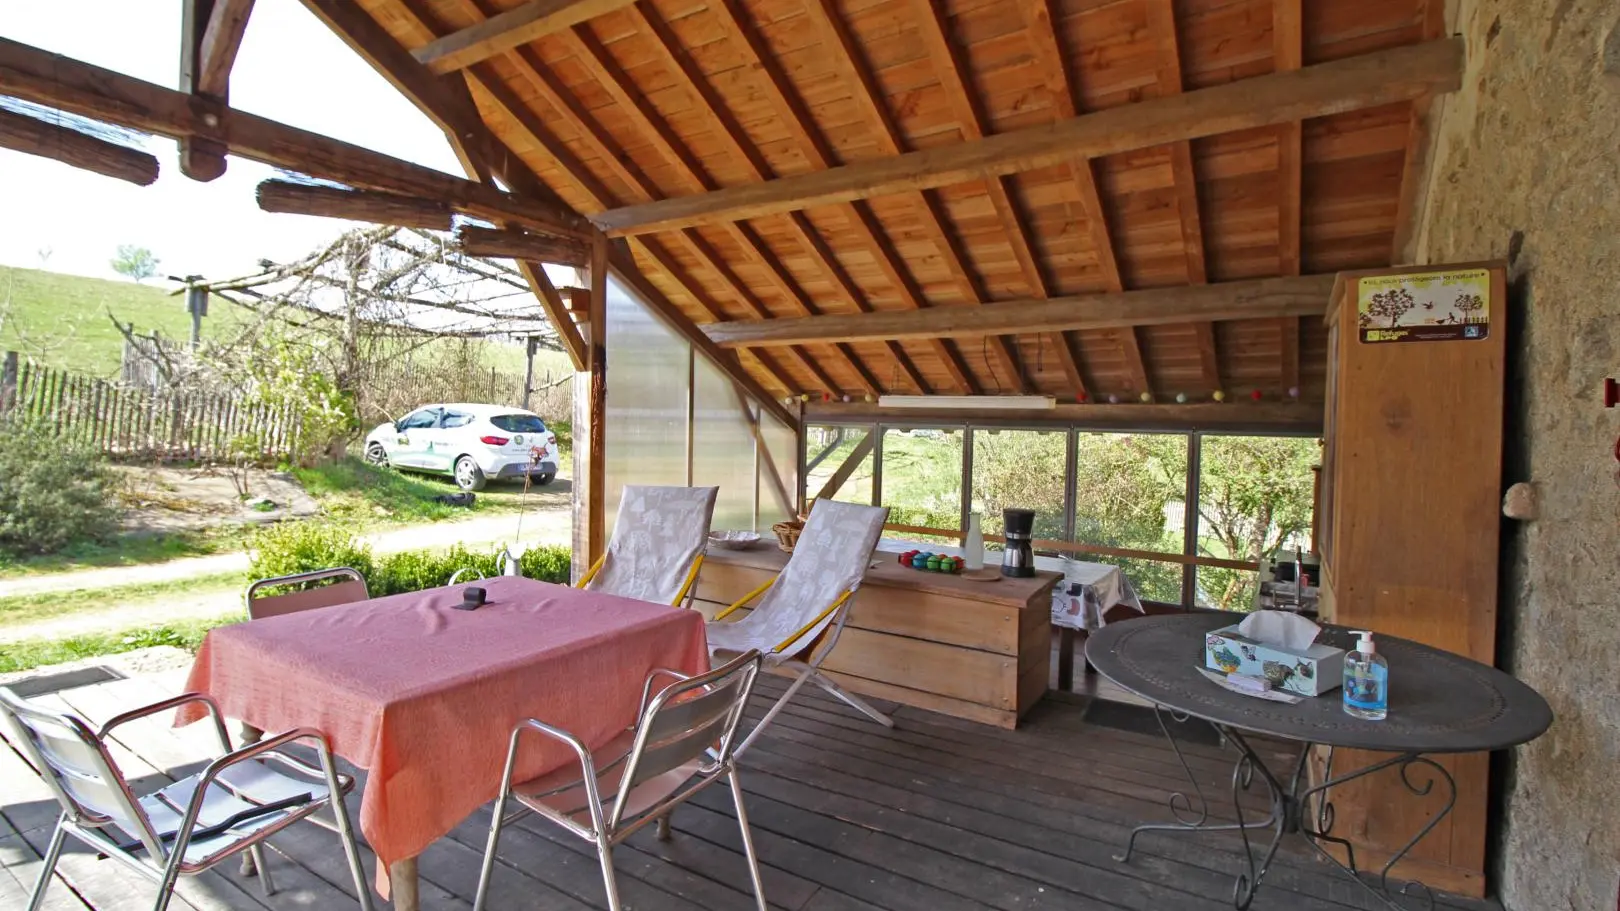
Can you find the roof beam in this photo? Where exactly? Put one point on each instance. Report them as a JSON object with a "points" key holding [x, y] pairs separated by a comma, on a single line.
{"points": [[513, 28], [510, 244], [210, 34], [1184, 177], [1255, 299], [221, 39], [34, 136], [1288, 48], [1354, 83], [91, 91], [1420, 142]]}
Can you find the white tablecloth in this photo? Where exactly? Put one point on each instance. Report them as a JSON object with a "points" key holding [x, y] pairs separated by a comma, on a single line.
{"points": [[1087, 591]]}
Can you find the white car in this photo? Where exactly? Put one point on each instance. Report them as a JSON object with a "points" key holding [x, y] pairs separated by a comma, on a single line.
{"points": [[471, 443]]}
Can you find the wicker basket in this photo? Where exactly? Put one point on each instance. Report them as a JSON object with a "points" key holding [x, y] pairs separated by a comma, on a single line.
{"points": [[787, 534]]}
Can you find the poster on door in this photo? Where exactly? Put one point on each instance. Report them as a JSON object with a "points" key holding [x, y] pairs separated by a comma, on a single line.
{"points": [[1425, 307]]}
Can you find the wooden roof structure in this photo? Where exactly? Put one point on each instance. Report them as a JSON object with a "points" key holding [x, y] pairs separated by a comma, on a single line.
{"points": [[1092, 199]]}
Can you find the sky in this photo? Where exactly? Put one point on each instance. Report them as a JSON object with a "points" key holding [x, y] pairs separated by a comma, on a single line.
{"points": [[290, 68]]}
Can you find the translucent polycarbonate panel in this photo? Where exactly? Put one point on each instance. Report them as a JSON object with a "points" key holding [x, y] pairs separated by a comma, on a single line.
{"points": [[922, 480], [782, 445], [722, 446], [1255, 500], [1128, 494], [1020, 469], [645, 426], [842, 454]]}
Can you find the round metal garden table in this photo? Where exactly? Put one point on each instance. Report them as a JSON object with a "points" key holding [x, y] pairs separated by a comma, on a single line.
{"points": [[1438, 703]]}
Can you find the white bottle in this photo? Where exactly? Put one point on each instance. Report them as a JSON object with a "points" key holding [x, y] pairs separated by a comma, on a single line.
{"points": [[1366, 680], [973, 545]]}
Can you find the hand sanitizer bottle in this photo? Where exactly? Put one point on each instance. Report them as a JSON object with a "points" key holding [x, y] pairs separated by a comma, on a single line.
{"points": [[1366, 680]]}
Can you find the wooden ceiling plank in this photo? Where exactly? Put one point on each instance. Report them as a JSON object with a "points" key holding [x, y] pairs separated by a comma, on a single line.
{"points": [[714, 109], [1288, 48], [510, 29], [1266, 298], [1353, 83], [91, 91], [1161, 18]]}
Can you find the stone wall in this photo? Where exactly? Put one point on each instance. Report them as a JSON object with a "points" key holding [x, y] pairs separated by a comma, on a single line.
{"points": [[1527, 169]]}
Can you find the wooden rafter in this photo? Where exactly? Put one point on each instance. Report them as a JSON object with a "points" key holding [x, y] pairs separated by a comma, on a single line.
{"points": [[974, 124], [1353, 83], [545, 83], [210, 33], [813, 144], [513, 28], [540, 248], [34, 136], [1288, 45], [91, 91], [221, 39], [1419, 147], [1184, 176], [354, 205], [1265, 298]]}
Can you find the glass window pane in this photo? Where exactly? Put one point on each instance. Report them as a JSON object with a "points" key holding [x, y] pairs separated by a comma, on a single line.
{"points": [[1255, 499], [1128, 493], [645, 426], [722, 447], [828, 453], [922, 480], [778, 494], [1021, 469]]}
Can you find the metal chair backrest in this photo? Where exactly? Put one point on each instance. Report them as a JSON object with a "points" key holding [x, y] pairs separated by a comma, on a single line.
{"points": [[75, 765], [352, 589], [829, 560], [688, 720], [659, 534]]}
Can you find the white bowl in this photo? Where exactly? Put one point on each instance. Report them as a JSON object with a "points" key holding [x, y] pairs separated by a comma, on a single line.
{"points": [[733, 540]]}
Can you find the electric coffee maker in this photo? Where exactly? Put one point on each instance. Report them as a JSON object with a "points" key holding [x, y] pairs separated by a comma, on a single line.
{"points": [[1018, 559]]}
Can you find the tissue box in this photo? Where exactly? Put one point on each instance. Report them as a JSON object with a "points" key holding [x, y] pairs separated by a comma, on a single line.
{"points": [[1310, 672]]}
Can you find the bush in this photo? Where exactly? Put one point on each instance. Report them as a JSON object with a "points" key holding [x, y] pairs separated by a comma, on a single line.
{"points": [[54, 491], [300, 547]]}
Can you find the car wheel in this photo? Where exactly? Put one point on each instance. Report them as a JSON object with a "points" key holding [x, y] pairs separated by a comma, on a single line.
{"points": [[544, 478], [377, 455], [468, 475]]}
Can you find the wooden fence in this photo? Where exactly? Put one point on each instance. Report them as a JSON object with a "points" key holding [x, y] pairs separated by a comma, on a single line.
{"points": [[143, 424]]}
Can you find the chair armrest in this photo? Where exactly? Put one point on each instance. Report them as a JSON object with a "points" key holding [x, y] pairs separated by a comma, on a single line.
{"points": [[210, 774], [786, 643], [177, 701], [646, 687], [746, 598], [591, 573]]}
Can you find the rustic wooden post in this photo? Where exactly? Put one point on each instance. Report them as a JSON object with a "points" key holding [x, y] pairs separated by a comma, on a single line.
{"points": [[8, 379], [590, 419], [528, 371]]}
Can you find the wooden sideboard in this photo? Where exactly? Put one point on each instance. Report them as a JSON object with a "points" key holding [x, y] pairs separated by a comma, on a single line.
{"points": [[976, 650], [1410, 495]]}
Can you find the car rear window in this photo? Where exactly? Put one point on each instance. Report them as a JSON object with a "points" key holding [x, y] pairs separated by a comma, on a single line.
{"points": [[519, 423]]}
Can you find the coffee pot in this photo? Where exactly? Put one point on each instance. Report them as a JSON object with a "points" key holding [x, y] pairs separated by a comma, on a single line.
{"points": [[1018, 559]]}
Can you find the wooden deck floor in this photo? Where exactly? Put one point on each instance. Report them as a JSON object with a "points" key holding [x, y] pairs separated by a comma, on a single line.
{"points": [[937, 815]]}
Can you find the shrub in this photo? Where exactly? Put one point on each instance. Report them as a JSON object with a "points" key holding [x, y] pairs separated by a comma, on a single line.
{"points": [[54, 490], [300, 547]]}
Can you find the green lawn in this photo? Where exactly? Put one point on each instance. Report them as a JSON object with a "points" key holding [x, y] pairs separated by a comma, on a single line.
{"points": [[30, 653], [24, 609], [128, 549]]}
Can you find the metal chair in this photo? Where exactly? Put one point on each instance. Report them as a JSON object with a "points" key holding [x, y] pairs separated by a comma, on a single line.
{"points": [[686, 731], [346, 592], [657, 546], [798, 621], [233, 805]]}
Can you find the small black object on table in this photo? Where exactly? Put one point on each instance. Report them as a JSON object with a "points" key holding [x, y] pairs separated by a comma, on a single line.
{"points": [[1438, 703]]}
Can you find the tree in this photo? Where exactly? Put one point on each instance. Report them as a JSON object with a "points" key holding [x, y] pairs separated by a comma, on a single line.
{"points": [[136, 262], [1255, 494]]}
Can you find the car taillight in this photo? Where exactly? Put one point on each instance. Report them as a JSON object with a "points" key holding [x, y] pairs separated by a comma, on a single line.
{"points": [[493, 440]]}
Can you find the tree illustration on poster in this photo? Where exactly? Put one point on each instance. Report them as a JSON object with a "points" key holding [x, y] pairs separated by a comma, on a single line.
{"points": [[1469, 307], [1391, 305]]}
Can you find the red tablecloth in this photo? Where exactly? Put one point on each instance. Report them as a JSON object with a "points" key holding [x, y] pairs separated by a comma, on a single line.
{"points": [[424, 696]]}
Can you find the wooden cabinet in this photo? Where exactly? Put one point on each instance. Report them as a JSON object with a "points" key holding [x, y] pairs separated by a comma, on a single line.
{"points": [[1410, 494], [976, 650]]}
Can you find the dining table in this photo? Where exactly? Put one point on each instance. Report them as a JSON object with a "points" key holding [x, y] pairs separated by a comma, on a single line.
{"points": [[423, 694]]}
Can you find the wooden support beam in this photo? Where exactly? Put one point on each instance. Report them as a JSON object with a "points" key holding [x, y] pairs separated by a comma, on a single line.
{"points": [[559, 313], [202, 158], [513, 28], [221, 39], [846, 468], [513, 244], [596, 364], [1135, 365], [101, 94], [1184, 176], [1236, 417], [1288, 48], [1354, 83], [625, 270], [23, 133], [1255, 299], [1420, 145], [355, 205]]}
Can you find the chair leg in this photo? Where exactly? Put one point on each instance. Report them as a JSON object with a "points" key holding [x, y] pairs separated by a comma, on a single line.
{"points": [[265, 882], [775, 710], [747, 840], [171, 878], [604, 850], [663, 825], [340, 816], [488, 868], [48, 867], [850, 699]]}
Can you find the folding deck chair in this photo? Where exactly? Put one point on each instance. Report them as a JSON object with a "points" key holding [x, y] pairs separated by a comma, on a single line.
{"points": [[797, 622], [657, 545]]}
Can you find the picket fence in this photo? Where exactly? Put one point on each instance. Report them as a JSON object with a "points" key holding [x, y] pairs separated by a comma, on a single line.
{"points": [[143, 424]]}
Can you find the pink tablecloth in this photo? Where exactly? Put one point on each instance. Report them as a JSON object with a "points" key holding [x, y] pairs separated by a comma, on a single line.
{"points": [[424, 696]]}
